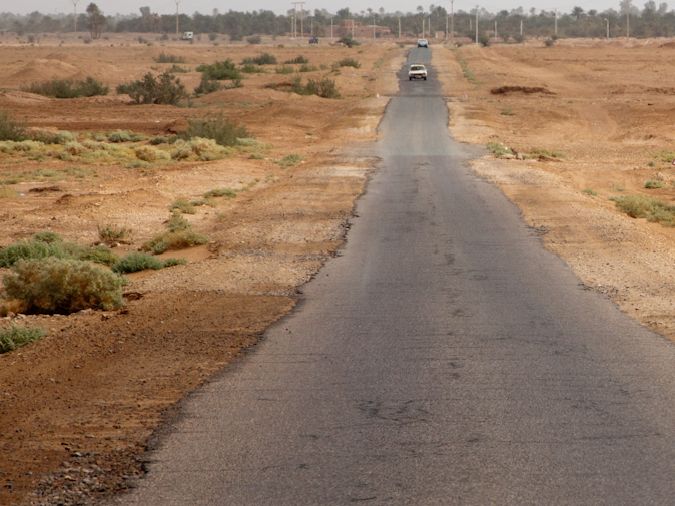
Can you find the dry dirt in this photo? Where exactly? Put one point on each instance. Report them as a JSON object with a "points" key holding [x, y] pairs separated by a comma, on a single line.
{"points": [[606, 109], [77, 408]]}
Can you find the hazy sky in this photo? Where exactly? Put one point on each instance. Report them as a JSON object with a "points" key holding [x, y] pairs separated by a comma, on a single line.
{"points": [[279, 6]]}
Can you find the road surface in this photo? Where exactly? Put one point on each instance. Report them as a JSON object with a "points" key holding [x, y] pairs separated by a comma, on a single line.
{"points": [[444, 358]]}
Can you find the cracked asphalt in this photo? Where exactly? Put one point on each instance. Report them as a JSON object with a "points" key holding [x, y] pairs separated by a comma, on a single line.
{"points": [[444, 358]]}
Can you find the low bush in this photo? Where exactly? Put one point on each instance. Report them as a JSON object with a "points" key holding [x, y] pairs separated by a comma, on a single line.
{"points": [[68, 88], [150, 154], [11, 130], [217, 127], [349, 62], [653, 184], [177, 69], [262, 59], [289, 160], [137, 261], [498, 149], [284, 69], [324, 88], [306, 68], [166, 88], [298, 59], [49, 245], [16, 336], [198, 148], [220, 71], [124, 136], [56, 285], [220, 192], [640, 206], [182, 205], [249, 68], [113, 235], [46, 137], [254, 39], [206, 86], [169, 58]]}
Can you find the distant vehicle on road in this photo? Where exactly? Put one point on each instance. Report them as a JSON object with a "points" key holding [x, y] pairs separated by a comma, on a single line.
{"points": [[314, 40], [422, 43], [187, 36], [417, 71]]}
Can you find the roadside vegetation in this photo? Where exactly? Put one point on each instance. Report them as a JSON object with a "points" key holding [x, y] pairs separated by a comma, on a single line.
{"points": [[68, 88], [165, 88], [15, 336], [138, 261], [641, 206], [178, 235]]}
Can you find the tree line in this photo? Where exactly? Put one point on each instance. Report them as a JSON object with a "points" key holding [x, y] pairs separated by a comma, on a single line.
{"points": [[651, 20]]}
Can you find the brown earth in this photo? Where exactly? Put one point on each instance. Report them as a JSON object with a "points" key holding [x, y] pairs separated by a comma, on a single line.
{"points": [[79, 406], [600, 132]]}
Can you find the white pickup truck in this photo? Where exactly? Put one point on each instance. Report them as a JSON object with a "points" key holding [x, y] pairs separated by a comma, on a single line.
{"points": [[417, 71]]}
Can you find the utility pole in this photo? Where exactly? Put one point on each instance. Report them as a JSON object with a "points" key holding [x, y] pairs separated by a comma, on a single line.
{"points": [[177, 17], [75, 2], [373, 19], [295, 20], [556, 22], [452, 21], [521, 27], [331, 28], [476, 24], [628, 24], [607, 26], [496, 29], [399, 27], [446, 28], [430, 36], [352, 28]]}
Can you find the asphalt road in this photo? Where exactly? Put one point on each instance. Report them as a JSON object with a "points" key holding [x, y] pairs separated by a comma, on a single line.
{"points": [[444, 358]]}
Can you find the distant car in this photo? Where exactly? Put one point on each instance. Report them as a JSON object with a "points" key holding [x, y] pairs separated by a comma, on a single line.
{"points": [[187, 36], [314, 40], [422, 43], [417, 71]]}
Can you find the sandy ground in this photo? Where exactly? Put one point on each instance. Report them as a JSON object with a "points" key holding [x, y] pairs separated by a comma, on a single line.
{"points": [[82, 403], [607, 110], [79, 406]]}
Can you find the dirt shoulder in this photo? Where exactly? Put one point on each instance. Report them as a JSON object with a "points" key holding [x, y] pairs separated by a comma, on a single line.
{"points": [[576, 126], [79, 405]]}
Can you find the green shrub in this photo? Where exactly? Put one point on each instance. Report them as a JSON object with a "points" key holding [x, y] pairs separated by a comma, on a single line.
{"points": [[163, 89], [249, 68], [306, 68], [163, 139], [653, 184], [207, 86], [174, 240], [198, 148], [68, 88], [10, 130], [15, 336], [217, 127], [298, 59], [55, 285], [112, 234], [47, 244], [124, 136], [640, 206], [177, 69], [349, 62], [46, 137], [550, 42], [498, 149], [324, 88], [284, 69], [150, 154], [220, 192], [169, 58], [177, 222], [484, 40], [182, 205], [262, 59], [220, 71], [47, 236], [135, 262], [289, 160]]}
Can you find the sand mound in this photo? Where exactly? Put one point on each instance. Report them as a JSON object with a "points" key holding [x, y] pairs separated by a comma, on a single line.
{"points": [[43, 69]]}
